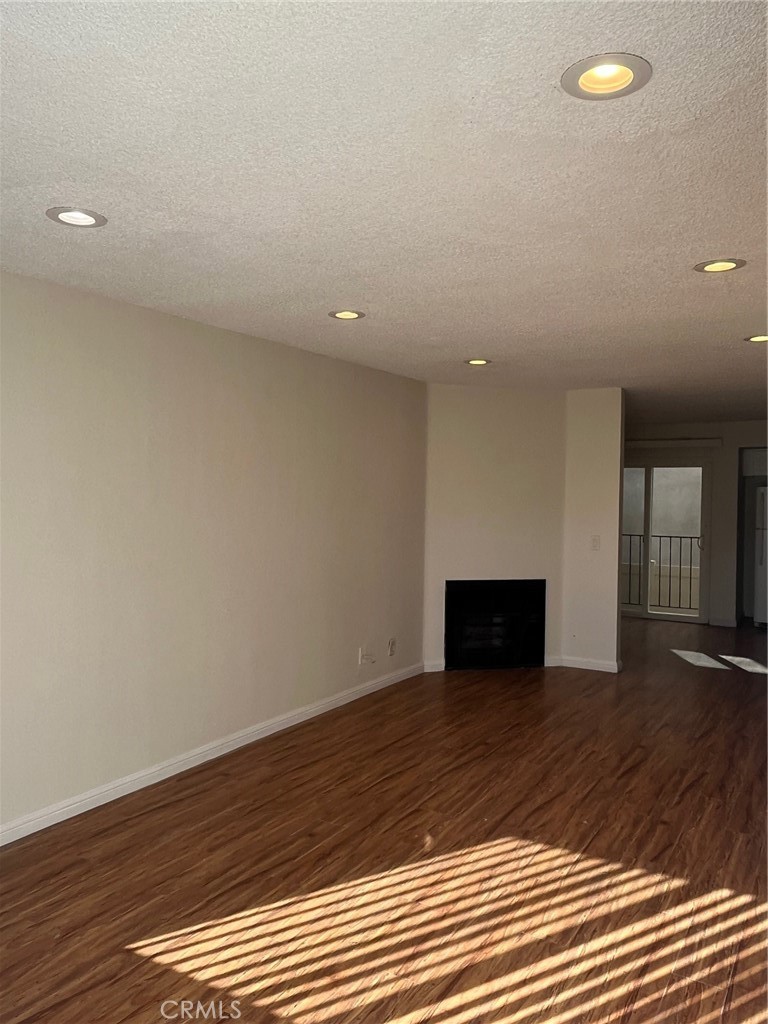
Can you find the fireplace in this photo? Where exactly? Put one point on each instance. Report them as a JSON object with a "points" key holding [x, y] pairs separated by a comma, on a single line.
{"points": [[494, 623]]}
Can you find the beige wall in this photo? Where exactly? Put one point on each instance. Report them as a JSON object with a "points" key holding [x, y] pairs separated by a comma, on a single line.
{"points": [[593, 470], [724, 457], [199, 531], [517, 484]]}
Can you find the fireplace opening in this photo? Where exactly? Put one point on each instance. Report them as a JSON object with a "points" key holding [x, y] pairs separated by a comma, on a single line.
{"points": [[494, 623]]}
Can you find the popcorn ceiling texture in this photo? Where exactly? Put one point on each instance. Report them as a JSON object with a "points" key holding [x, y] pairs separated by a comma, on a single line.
{"points": [[263, 163]]}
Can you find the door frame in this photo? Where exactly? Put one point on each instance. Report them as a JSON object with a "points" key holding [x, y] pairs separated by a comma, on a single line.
{"points": [[668, 458]]}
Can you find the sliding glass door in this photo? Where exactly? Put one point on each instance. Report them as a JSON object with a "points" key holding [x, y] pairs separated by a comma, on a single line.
{"points": [[664, 555]]}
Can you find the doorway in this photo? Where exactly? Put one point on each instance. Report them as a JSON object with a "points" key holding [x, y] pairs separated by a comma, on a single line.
{"points": [[664, 555]]}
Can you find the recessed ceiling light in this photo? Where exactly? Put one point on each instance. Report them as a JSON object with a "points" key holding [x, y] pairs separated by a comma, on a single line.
{"points": [[76, 217], [757, 337], [346, 314], [478, 362], [719, 266], [606, 76]]}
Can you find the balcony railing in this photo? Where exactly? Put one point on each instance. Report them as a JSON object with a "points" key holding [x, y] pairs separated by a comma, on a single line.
{"points": [[673, 583], [632, 552]]}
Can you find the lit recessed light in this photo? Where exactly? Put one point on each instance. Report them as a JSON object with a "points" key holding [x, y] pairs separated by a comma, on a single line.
{"points": [[757, 337], [346, 314], [76, 217], [606, 76], [478, 362], [719, 266]]}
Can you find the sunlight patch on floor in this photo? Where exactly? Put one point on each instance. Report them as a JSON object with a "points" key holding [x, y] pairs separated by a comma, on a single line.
{"points": [[705, 661], [509, 931], [748, 664], [699, 660]]}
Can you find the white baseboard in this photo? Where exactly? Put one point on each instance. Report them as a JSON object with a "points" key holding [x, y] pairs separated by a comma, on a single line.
{"points": [[729, 623], [590, 663], [29, 823], [550, 661]]}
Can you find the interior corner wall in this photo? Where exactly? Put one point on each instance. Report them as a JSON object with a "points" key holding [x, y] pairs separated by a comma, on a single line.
{"points": [[591, 534], [724, 511], [200, 529], [495, 464]]}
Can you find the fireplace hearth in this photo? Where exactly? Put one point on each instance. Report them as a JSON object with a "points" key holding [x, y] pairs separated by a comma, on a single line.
{"points": [[494, 623]]}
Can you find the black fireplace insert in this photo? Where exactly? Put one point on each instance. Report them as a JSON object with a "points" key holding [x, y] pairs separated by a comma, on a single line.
{"points": [[494, 623]]}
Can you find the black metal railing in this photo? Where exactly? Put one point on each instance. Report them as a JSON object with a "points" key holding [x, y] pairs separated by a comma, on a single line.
{"points": [[673, 579], [632, 551], [676, 557]]}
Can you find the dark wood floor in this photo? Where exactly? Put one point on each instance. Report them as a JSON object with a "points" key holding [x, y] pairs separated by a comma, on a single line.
{"points": [[464, 848]]}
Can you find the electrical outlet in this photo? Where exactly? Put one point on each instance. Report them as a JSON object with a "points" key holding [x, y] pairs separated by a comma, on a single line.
{"points": [[364, 656], [596, 542], [392, 646]]}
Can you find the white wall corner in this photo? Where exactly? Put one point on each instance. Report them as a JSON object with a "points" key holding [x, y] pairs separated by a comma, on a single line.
{"points": [[593, 479]]}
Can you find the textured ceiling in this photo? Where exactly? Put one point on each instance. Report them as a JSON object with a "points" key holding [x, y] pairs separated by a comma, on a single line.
{"points": [[263, 163]]}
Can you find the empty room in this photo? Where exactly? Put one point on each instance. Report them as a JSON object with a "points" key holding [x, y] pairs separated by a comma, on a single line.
{"points": [[383, 512]]}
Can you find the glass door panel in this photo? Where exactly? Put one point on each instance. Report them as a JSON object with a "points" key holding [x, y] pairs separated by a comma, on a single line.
{"points": [[675, 541]]}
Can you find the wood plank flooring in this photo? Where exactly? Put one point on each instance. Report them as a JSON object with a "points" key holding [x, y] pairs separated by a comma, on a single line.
{"points": [[535, 846]]}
